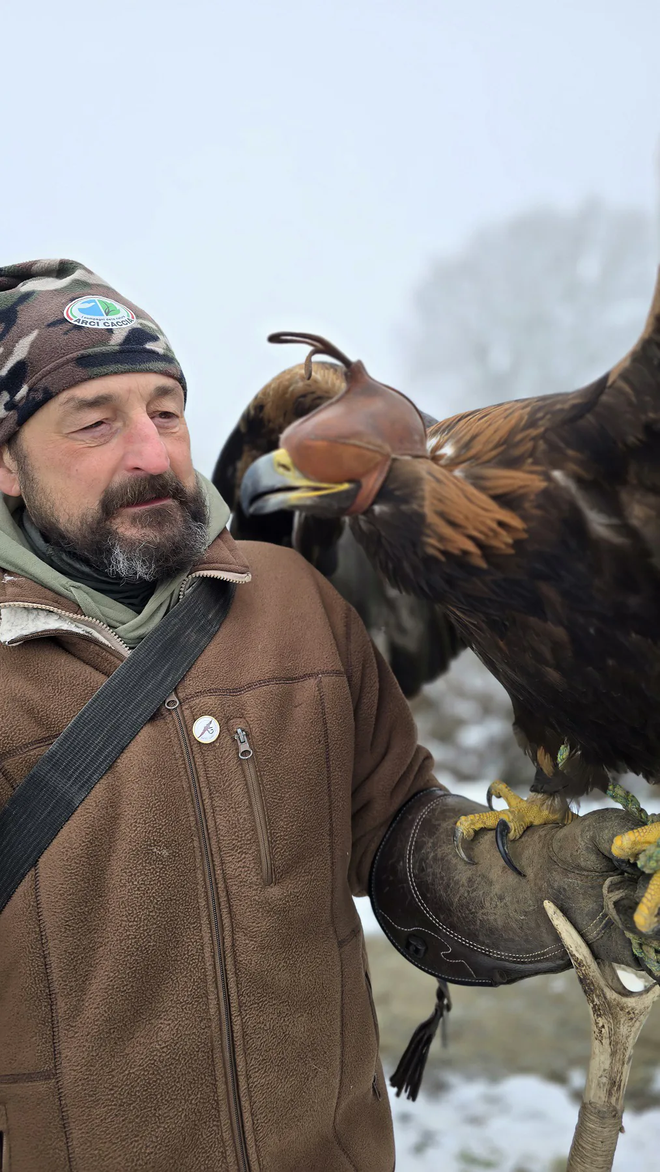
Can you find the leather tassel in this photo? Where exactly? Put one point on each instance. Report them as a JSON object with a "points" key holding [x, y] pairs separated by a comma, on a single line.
{"points": [[408, 1074]]}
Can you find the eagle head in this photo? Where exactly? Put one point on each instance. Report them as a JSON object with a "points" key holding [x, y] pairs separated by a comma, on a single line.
{"points": [[334, 461]]}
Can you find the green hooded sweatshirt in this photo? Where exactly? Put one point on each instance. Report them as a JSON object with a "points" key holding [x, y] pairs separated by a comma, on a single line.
{"points": [[16, 556]]}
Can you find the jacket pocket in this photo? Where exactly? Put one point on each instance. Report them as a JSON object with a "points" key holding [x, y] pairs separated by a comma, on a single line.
{"points": [[248, 760], [374, 1017], [362, 1117], [31, 1127], [370, 994]]}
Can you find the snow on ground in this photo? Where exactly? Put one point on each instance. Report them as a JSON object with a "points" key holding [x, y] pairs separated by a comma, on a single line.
{"points": [[522, 1124]]}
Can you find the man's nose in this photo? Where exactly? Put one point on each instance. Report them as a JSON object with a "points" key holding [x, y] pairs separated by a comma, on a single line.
{"points": [[144, 448]]}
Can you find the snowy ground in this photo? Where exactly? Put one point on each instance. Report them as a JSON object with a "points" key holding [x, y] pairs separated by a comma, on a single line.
{"points": [[522, 1124]]}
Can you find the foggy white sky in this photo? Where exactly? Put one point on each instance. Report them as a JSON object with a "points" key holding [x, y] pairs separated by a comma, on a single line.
{"points": [[239, 168]]}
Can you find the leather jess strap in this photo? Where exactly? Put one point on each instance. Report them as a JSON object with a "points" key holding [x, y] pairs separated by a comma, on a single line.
{"points": [[82, 754]]}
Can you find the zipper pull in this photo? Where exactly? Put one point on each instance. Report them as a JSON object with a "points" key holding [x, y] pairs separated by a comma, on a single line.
{"points": [[244, 748]]}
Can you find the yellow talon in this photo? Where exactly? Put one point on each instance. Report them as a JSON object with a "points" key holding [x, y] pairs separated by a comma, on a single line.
{"points": [[521, 813], [470, 823], [499, 789], [646, 912], [631, 844]]}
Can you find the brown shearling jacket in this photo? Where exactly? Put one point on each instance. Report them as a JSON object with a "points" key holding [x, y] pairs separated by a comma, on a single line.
{"points": [[183, 980]]}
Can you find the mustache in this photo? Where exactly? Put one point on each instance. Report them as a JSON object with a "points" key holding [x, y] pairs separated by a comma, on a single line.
{"points": [[140, 490]]}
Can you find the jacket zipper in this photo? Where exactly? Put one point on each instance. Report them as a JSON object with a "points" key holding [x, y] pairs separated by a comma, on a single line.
{"points": [[248, 761], [110, 636], [172, 704], [227, 577], [83, 621]]}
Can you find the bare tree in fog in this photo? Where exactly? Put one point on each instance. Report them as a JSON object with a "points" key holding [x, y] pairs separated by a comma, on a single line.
{"points": [[543, 302]]}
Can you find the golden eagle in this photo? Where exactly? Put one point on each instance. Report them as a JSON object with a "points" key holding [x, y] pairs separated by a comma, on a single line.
{"points": [[535, 525]]}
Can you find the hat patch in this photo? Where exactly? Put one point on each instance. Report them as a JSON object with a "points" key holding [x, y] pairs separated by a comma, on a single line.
{"points": [[99, 313]]}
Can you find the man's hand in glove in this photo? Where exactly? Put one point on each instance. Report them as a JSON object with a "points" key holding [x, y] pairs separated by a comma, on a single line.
{"points": [[483, 924]]}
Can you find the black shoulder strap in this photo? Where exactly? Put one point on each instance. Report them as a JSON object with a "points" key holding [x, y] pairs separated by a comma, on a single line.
{"points": [[70, 768]]}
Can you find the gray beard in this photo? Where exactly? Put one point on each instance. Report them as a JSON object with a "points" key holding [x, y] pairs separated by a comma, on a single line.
{"points": [[145, 562], [164, 543]]}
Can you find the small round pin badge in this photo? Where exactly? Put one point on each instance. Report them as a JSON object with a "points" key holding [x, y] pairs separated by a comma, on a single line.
{"points": [[99, 313], [206, 729]]}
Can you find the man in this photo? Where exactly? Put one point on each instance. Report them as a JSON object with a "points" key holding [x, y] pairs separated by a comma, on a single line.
{"points": [[183, 981]]}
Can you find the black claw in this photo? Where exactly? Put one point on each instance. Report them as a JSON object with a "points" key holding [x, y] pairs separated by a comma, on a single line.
{"points": [[458, 847], [489, 797], [501, 835]]}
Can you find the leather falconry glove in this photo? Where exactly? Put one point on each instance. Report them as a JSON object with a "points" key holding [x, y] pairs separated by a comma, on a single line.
{"points": [[483, 924]]}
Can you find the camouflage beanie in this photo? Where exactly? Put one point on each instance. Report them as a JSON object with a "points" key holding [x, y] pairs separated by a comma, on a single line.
{"points": [[60, 325]]}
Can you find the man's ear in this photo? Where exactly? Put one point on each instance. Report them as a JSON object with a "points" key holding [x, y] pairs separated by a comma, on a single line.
{"points": [[8, 473]]}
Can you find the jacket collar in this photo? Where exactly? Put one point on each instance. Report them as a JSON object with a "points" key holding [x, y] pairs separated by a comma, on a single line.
{"points": [[28, 610]]}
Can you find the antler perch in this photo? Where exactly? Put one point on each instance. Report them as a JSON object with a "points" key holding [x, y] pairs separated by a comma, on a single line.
{"points": [[617, 1016]]}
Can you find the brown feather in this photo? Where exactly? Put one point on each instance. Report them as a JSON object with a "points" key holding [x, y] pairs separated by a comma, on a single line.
{"points": [[463, 521]]}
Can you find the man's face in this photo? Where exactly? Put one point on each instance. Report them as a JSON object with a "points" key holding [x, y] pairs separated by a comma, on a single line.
{"points": [[105, 471]]}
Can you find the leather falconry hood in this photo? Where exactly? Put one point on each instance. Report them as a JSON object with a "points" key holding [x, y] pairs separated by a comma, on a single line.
{"points": [[355, 435]]}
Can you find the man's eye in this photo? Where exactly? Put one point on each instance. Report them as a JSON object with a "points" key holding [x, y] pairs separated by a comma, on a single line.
{"points": [[93, 426], [167, 416]]}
